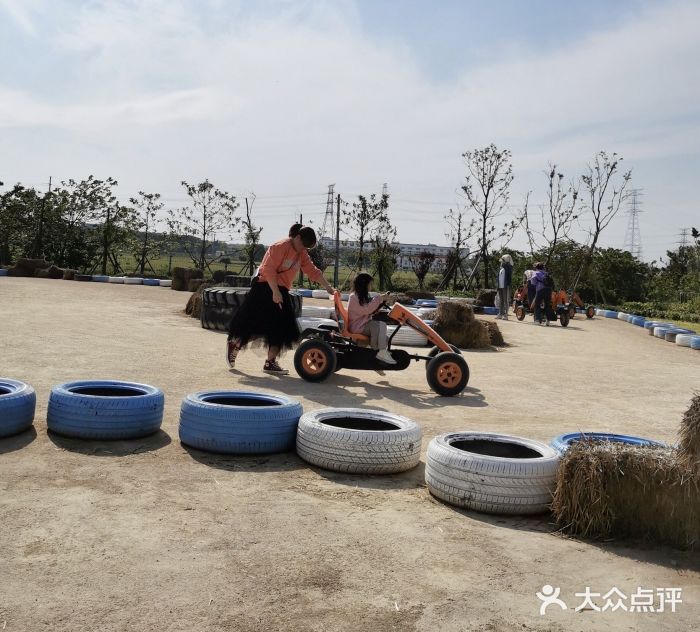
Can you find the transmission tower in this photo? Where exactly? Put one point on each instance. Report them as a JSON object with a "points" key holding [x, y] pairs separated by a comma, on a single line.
{"points": [[329, 218], [385, 189], [633, 241], [683, 243]]}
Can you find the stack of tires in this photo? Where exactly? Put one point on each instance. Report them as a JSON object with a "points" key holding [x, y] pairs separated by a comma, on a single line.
{"points": [[219, 304]]}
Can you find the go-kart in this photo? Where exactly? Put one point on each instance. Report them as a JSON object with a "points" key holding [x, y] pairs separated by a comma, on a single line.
{"points": [[560, 311], [323, 351], [560, 300]]}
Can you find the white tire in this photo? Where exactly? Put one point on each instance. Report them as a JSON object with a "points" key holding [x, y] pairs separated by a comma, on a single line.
{"points": [[522, 483], [345, 296], [308, 322], [133, 281], [407, 337], [684, 340], [115, 279], [314, 311], [359, 441], [166, 283], [319, 294], [621, 316]]}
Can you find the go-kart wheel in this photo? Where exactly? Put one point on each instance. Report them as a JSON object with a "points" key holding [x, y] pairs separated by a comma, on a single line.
{"points": [[447, 373], [314, 360], [572, 311], [520, 312], [564, 319], [590, 311]]}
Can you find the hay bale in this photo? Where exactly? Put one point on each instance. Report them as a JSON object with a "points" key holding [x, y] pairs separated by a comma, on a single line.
{"points": [[689, 436], [417, 294], [219, 276], [194, 303], [179, 282], [40, 273], [194, 284], [608, 490], [68, 274], [486, 297], [455, 322], [495, 334], [55, 272]]}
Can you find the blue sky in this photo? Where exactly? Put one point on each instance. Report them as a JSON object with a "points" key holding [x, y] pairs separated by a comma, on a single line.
{"points": [[284, 97]]}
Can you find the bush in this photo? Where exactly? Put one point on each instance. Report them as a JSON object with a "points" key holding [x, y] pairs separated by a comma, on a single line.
{"points": [[689, 311]]}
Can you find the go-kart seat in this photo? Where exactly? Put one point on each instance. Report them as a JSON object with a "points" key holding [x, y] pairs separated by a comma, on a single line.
{"points": [[342, 316]]}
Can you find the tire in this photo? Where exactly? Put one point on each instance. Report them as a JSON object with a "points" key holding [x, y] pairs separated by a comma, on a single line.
{"points": [[319, 294], [116, 279], [520, 312], [406, 337], [239, 422], [695, 342], [82, 277], [660, 332], [564, 441], [610, 314], [306, 322], [133, 281], [315, 360], [165, 282], [564, 319], [359, 441], [17, 406], [435, 350], [572, 311], [152, 282], [684, 340], [590, 312], [100, 278], [105, 409], [3, 271], [447, 374], [501, 474]]}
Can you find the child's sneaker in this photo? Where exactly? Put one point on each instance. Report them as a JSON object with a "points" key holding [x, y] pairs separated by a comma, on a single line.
{"points": [[272, 368], [232, 348], [384, 356]]}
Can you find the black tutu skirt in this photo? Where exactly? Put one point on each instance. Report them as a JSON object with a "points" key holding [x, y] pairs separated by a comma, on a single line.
{"points": [[261, 321]]}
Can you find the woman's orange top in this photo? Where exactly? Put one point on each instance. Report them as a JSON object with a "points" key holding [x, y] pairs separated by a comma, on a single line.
{"points": [[282, 262]]}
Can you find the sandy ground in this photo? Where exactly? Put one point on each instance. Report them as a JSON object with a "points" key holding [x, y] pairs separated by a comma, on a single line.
{"points": [[148, 535]]}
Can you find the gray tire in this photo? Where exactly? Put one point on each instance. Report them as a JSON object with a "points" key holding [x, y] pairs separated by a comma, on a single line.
{"points": [[359, 441], [463, 469]]}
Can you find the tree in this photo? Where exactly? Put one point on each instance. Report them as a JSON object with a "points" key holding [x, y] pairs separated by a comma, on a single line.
{"points": [[490, 174], [458, 233], [116, 230], [604, 194], [146, 208], [251, 235], [384, 253], [18, 207], [421, 264], [212, 211], [365, 218], [556, 217]]}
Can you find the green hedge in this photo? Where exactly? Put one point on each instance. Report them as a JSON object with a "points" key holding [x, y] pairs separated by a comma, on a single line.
{"points": [[689, 312]]}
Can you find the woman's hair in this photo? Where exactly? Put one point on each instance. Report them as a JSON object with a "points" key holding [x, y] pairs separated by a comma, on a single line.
{"points": [[294, 230], [361, 287], [308, 236], [539, 266], [507, 259]]}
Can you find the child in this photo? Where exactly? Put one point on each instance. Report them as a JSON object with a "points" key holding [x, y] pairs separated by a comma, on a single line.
{"points": [[360, 310]]}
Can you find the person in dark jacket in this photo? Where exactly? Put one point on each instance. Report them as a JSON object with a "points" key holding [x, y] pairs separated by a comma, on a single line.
{"points": [[544, 284], [505, 280]]}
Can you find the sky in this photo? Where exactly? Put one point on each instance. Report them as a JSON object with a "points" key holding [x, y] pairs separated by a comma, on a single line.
{"points": [[281, 98]]}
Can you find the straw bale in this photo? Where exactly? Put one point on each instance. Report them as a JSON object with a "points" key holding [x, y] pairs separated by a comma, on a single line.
{"points": [[689, 435], [495, 334], [611, 490], [486, 297], [194, 303], [68, 274]]}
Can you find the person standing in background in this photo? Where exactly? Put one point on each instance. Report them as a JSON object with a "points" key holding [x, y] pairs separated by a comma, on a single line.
{"points": [[505, 279]]}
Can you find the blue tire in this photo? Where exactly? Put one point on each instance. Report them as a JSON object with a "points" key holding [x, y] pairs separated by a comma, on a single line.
{"points": [[3, 271], [239, 422], [610, 314], [492, 311], [100, 278], [151, 282], [564, 441], [105, 409], [304, 293], [17, 406], [695, 342]]}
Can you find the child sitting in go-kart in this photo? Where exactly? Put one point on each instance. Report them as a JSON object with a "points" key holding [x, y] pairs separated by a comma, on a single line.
{"points": [[360, 310]]}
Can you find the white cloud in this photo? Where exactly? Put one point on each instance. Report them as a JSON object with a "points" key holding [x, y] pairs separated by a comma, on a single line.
{"points": [[20, 12], [299, 96]]}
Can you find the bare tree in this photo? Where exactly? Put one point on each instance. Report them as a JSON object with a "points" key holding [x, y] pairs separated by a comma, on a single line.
{"points": [[459, 232], [146, 208], [212, 211], [490, 174], [365, 218], [556, 216], [420, 265], [251, 234], [604, 194]]}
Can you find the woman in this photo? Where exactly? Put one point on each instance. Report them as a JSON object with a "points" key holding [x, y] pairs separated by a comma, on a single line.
{"points": [[360, 310], [505, 280], [543, 295], [267, 312]]}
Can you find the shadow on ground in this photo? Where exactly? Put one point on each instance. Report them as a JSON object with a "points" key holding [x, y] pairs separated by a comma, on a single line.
{"points": [[334, 392], [282, 462], [411, 479], [118, 447], [18, 441]]}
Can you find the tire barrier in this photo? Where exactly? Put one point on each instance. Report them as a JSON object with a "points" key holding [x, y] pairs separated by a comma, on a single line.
{"points": [[492, 311], [622, 316], [105, 409], [133, 281], [564, 441], [359, 441], [82, 277], [424, 302], [406, 337], [17, 406], [239, 422], [610, 314], [684, 340], [152, 282], [165, 283], [660, 332], [319, 294], [695, 342], [100, 278], [304, 292], [116, 279], [315, 311], [492, 473]]}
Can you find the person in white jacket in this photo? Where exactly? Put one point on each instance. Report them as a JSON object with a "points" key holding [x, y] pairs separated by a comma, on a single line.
{"points": [[505, 280]]}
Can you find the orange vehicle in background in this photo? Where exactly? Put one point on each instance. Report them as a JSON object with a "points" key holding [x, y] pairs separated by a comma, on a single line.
{"points": [[561, 301], [323, 351]]}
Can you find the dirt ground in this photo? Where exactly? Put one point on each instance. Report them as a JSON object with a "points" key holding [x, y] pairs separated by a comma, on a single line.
{"points": [[150, 535]]}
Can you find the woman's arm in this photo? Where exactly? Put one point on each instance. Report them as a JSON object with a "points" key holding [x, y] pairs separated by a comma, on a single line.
{"points": [[314, 273]]}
